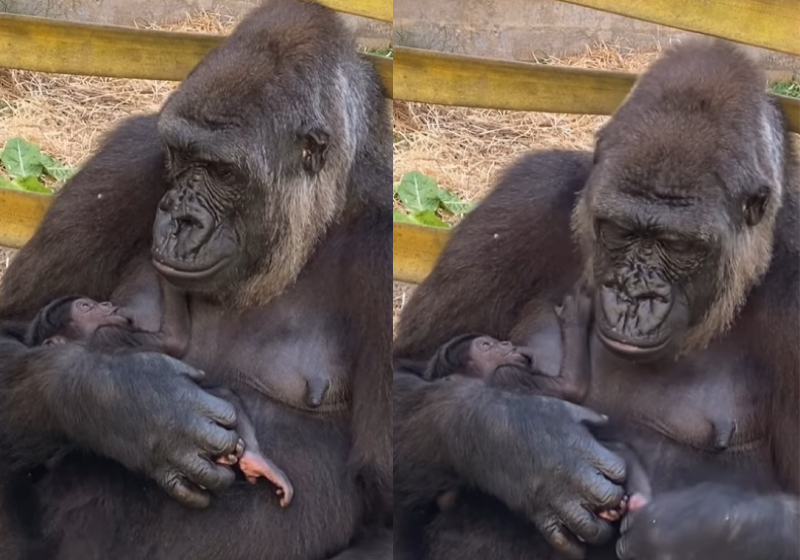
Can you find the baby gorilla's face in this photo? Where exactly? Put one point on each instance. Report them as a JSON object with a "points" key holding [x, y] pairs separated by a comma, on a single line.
{"points": [[88, 316], [486, 354]]}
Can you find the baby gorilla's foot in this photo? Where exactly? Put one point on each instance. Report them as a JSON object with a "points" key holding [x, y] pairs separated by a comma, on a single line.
{"points": [[255, 465], [576, 309]]}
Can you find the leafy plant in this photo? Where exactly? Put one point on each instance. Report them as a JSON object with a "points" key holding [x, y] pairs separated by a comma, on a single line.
{"points": [[790, 89], [387, 52], [423, 201], [27, 167]]}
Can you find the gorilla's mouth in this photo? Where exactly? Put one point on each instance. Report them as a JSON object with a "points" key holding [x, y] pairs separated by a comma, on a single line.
{"points": [[630, 350], [182, 274]]}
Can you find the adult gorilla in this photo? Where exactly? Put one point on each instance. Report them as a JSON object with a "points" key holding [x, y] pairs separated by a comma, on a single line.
{"points": [[268, 173], [686, 217]]}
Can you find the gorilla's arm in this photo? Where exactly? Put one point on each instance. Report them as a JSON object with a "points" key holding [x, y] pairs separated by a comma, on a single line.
{"points": [[509, 446], [369, 294], [713, 521], [114, 406], [117, 403]]}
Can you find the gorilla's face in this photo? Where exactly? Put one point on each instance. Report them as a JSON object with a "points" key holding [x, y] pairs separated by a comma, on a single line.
{"points": [[245, 201], [672, 242]]}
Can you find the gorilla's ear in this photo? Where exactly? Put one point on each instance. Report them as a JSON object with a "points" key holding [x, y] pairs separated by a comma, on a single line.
{"points": [[755, 205], [315, 148]]}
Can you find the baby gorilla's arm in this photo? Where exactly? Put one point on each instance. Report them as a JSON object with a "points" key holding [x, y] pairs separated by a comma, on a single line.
{"points": [[158, 310], [572, 381], [574, 315], [251, 462]]}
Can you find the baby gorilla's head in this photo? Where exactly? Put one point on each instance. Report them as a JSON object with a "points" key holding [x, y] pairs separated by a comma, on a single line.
{"points": [[72, 319], [486, 354]]}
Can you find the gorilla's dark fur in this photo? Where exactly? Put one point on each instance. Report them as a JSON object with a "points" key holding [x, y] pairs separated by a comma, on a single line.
{"points": [[685, 220], [268, 174]]}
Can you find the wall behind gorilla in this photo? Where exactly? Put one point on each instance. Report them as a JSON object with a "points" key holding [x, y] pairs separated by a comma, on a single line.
{"points": [[528, 30]]}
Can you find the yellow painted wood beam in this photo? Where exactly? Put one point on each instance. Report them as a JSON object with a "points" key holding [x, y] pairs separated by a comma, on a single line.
{"points": [[20, 214], [416, 249], [771, 24], [449, 79], [382, 10], [64, 47]]}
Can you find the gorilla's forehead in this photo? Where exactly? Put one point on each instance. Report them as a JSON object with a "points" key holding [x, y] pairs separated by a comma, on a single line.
{"points": [[703, 215]]}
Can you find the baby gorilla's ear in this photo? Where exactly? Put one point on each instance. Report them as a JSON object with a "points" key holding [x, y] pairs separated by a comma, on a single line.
{"points": [[57, 340]]}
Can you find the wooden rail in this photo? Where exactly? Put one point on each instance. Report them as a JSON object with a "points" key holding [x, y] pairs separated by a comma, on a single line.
{"points": [[449, 79], [20, 214], [46, 45], [771, 24]]}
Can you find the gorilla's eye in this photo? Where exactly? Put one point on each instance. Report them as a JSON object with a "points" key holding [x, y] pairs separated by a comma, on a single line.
{"points": [[223, 172], [755, 206], [611, 234], [678, 245]]}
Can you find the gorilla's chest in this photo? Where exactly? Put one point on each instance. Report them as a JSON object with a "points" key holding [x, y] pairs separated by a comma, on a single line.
{"points": [[279, 350], [691, 419]]}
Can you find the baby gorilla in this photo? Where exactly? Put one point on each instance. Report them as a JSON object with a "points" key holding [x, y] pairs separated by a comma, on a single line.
{"points": [[512, 368], [104, 327]]}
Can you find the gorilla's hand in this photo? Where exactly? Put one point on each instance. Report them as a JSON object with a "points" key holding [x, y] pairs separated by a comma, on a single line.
{"points": [[539, 459], [712, 521], [150, 415]]}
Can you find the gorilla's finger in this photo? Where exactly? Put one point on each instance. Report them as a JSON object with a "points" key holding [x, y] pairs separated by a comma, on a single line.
{"points": [[560, 538], [216, 441], [627, 521], [208, 474], [623, 548], [240, 448], [219, 410], [609, 464], [585, 525], [585, 415], [182, 368], [182, 490]]}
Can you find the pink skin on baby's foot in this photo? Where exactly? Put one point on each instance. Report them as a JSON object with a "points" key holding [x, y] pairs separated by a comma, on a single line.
{"points": [[255, 465]]}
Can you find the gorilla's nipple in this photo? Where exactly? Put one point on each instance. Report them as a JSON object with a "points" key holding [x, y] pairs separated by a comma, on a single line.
{"points": [[723, 434], [316, 389]]}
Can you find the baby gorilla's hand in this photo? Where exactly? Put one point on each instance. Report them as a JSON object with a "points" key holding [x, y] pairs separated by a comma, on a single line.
{"points": [[576, 309]]}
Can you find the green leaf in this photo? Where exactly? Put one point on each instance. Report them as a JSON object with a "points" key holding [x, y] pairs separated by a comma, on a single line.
{"points": [[22, 159], [55, 169], [398, 216], [32, 184], [453, 204], [418, 192], [429, 218], [6, 184]]}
